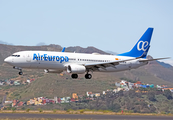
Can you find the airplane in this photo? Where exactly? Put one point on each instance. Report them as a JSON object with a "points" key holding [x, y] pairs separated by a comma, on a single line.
{"points": [[80, 63]]}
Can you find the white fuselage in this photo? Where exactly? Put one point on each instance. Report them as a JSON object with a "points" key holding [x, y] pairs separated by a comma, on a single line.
{"points": [[60, 60]]}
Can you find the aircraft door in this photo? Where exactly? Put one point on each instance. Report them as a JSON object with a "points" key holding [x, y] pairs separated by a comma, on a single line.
{"points": [[28, 57], [12, 59]]}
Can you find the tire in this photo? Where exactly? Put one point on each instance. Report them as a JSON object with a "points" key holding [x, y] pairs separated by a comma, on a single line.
{"points": [[88, 76], [20, 73], [74, 76]]}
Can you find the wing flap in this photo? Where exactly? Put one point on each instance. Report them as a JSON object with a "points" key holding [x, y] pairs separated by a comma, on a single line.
{"points": [[96, 66]]}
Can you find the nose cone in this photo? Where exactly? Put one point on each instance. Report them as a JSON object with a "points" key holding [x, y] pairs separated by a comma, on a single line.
{"points": [[8, 60]]}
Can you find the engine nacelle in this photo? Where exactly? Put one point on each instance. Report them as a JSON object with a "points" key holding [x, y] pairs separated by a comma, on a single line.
{"points": [[77, 69], [52, 71]]}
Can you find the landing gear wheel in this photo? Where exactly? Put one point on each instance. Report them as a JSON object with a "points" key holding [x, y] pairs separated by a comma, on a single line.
{"points": [[20, 73], [74, 76], [88, 76]]}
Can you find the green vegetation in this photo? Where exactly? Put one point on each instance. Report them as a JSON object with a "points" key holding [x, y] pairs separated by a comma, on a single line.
{"points": [[27, 110], [13, 109], [40, 110], [168, 94], [151, 96]]}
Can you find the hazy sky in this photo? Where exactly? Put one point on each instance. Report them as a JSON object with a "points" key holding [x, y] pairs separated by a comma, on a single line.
{"points": [[114, 25]]}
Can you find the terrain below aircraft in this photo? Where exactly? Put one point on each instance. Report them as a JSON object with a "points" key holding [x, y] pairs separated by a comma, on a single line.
{"points": [[79, 63]]}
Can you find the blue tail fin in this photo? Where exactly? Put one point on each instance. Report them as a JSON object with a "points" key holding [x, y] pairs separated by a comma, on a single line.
{"points": [[141, 47], [63, 50]]}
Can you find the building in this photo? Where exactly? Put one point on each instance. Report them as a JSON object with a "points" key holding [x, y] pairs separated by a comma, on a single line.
{"points": [[59, 100], [56, 99], [75, 96], [97, 94], [14, 103], [20, 103], [16, 82], [32, 101], [1, 83], [28, 81], [65, 99], [171, 89], [8, 102], [89, 93]]}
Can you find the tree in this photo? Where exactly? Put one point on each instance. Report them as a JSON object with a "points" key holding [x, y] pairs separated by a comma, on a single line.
{"points": [[132, 93], [151, 96], [13, 109], [130, 105], [152, 109], [137, 109], [168, 94], [115, 107], [27, 110], [145, 110], [143, 104], [120, 93]]}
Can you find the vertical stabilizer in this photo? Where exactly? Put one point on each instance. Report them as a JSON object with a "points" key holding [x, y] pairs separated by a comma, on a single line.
{"points": [[141, 47]]}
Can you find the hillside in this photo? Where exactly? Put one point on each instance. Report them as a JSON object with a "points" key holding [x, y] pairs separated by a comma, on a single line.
{"points": [[51, 85], [79, 49], [166, 65]]}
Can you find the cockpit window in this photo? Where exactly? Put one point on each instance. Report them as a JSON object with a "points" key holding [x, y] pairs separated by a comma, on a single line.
{"points": [[16, 55]]}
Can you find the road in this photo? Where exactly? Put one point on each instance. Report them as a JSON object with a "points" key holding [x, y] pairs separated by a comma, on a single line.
{"points": [[78, 116], [3, 101]]}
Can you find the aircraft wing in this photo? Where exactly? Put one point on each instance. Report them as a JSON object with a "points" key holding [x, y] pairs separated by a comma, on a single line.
{"points": [[146, 60], [95, 66]]}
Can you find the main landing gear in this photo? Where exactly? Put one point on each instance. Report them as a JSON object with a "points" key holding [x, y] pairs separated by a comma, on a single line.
{"points": [[20, 73], [74, 76], [87, 76]]}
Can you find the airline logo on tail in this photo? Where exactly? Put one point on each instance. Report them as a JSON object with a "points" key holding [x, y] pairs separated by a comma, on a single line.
{"points": [[142, 45]]}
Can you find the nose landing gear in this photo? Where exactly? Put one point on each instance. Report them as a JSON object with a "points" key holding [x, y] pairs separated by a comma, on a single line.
{"points": [[20, 73]]}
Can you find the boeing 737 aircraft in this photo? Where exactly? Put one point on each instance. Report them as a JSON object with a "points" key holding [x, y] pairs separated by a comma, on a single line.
{"points": [[79, 63]]}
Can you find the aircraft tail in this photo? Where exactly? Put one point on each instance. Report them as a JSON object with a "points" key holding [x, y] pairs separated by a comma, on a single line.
{"points": [[141, 47]]}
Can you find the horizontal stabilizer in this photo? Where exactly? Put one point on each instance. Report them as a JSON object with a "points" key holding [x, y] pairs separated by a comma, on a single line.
{"points": [[146, 60]]}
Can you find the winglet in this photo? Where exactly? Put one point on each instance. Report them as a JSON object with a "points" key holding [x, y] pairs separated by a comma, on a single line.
{"points": [[63, 49]]}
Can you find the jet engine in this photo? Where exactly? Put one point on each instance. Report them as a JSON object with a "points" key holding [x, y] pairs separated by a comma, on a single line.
{"points": [[77, 69]]}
